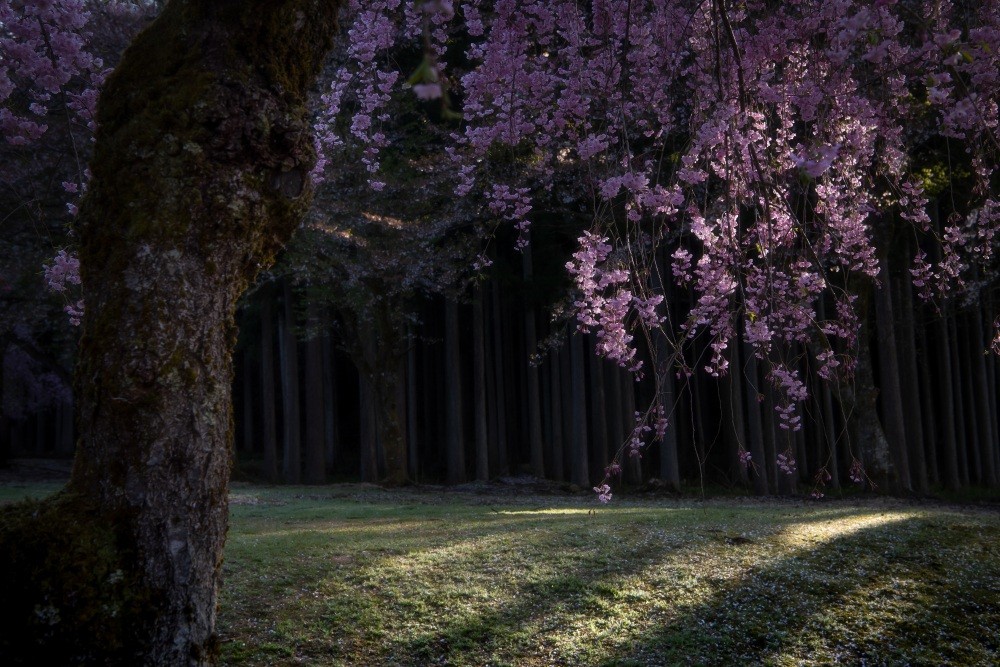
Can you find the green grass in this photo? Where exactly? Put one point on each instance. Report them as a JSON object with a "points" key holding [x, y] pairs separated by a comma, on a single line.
{"points": [[11, 492], [353, 575]]}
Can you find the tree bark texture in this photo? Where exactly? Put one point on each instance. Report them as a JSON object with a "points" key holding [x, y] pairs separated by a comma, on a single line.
{"points": [[199, 176]]}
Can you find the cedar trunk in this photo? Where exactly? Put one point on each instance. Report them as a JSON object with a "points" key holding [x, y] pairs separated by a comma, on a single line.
{"points": [[199, 175]]}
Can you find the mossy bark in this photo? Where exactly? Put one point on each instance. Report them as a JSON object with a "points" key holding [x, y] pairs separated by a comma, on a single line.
{"points": [[199, 176]]}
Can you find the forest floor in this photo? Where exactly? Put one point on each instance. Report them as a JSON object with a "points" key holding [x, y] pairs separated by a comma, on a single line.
{"points": [[356, 575]]}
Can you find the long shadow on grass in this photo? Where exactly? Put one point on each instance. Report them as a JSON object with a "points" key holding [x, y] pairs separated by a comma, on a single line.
{"points": [[365, 614], [374, 609], [758, 618], [501, 634], [894, 594]]}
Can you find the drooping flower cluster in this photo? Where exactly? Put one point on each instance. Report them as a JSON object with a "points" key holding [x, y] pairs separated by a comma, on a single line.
{"points": [[43, 47], [759, 146], [63, 272], [52, 65], [786, 463]]}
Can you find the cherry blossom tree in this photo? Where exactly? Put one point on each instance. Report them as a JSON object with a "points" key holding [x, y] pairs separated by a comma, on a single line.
{"points": [[774, 152], [777, 154]]}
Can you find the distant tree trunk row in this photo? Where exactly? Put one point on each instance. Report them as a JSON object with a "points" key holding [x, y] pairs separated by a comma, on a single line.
{"points": [[487, 385], [475, 397]]}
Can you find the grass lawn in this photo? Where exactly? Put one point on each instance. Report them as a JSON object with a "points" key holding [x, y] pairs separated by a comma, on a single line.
{"points": [[354, 575]]}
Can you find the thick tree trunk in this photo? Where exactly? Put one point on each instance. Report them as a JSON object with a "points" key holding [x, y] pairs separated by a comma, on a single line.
{"points": [[199, 175]]}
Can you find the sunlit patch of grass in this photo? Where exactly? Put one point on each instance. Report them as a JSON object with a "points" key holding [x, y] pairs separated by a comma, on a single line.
{"points": [[359, 576], [356, 575]]}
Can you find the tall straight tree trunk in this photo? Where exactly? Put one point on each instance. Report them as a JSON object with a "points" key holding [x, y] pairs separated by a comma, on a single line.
{"points": [[454, 431], [927, 384], [858, 403], [291, 462], [534, 400], [755, 427], [771, 442], [598, 411], [670, 471], [368, 430], [555, 466], [972, 415], [991, 380], [947, 388], [412, 441], [987, 440], [383, 365], [269, 420], [961, 398], [633, 464], [315, 472], [578, 466], [910, 384], [177, 221], [613, 399], [479, 387], [665, 384], [732, 401], [247, 443], [890, 389], [500, 403], [695, 383], [331, 415], [566, 381], [830, 433]]}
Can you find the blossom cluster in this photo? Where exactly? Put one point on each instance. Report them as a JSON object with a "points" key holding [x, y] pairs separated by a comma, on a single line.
{"points": [[758, 146]]}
